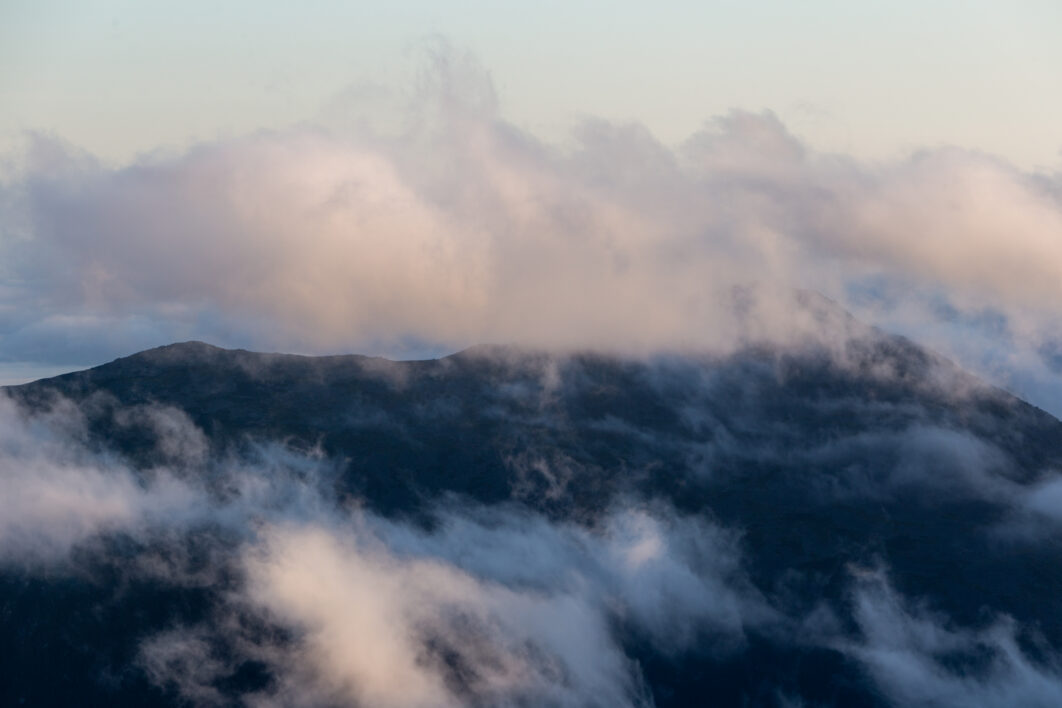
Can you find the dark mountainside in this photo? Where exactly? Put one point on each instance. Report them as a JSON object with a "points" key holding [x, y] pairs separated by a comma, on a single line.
{"points": [[827, 469]]}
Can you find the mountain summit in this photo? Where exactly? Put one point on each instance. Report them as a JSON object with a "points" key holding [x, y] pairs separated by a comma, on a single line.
{"points": [[759, 528]]}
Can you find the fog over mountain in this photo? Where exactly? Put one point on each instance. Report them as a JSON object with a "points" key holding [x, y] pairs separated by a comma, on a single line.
{"points": [[845, 518], [732, 421], [421, 221]]}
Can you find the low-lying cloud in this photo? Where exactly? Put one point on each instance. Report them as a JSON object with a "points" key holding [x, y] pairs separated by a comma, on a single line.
{"points": [[469, 604], [920, 658], [518, 611], [490, 606], [57, 493]]}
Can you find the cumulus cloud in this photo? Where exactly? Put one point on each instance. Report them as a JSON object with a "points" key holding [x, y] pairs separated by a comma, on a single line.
{"points": [[457, 228]]}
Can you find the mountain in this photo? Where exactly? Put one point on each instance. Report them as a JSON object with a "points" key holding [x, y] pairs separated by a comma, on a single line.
{"points": [[880, 524]]}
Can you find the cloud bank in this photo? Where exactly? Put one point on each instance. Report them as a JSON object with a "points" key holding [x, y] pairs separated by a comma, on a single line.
{"points": [[446, 226]]}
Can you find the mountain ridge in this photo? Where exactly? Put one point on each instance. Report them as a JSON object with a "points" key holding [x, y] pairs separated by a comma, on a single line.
{"points": [[819, 460]]}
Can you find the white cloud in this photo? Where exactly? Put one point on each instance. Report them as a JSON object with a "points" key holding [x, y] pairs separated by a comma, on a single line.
{"points": [[57, 494], [460, 229], [494, 605], [919, 658], [399, 632]]}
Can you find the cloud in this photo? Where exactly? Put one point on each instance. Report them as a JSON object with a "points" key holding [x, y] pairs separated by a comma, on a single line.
{"points": [[492, 606], [58, 493], [920, 658], [457, 228], [923, 457], [62, 490], [1046, 498], [417, 631]]}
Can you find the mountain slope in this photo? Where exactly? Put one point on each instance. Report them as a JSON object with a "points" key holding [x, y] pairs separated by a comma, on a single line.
{"points": [[825, 465]]}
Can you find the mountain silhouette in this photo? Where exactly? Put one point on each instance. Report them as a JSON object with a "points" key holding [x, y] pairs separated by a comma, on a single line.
{"points": [[827, 463]]}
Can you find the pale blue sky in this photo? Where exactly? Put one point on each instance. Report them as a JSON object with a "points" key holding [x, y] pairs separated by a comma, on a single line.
{"points": [[873, 79]]}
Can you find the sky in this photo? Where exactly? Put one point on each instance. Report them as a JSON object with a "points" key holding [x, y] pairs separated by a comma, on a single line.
{"points": [[873, 79], [411, 178]]}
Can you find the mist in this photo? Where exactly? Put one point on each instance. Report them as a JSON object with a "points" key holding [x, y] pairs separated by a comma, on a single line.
{"points": [[302, 588]]}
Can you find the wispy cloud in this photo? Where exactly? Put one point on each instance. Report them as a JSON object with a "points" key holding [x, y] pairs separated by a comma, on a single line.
{"points": [[330, 602], [921, 658]]}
